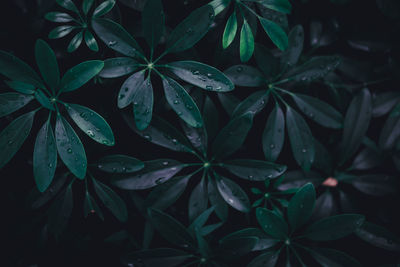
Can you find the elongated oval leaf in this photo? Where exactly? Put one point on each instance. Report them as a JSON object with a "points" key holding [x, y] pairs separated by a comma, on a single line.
{"points": [[70, 148], [378, 236], [44, 100], [254, 170], [301, 206], [272, 224], [143, 101], [90, 41], [334, 227], [44, 157], [283, 6], [92, 124], [246, 42], [103, 8], [61, 211], [153, 22], [10, 102], [216, 200], [13, 136], [117, 67], [47, 63], [119, 164], [301, 139], [274, 134], [233, 194], [315, 68], [244, 75], [275, 33], [87, 5], [254, 103], [75, 42], [21, 87], [157, 257], [198, 200], [201, 75], [391, 130], [269, 258], [90, 206], [182, 103], [229, 31], [111, 200], [191, 29], [129, 89], [61, 31], [68, 4], [58, 17], [155, 172], [80, 74], [330, 257], [295, 46]]}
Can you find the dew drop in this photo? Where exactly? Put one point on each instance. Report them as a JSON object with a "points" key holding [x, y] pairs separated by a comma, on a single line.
{"points": [[209, 87], [165, 163], [196, 72], [69, 150], [90, 133], [304, 150], [239, 69], [112, 43], [176, 102], [271, 146]]}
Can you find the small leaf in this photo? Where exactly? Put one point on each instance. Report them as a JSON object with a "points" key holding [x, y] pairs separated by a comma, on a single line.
{"points": [[301, 206], [229, 31], [334, 227], [269, 258], [58, 17], [42, 98], [79, 75], [191, 29], [319, 111], [87, 5], [47, 63], [301, 139], [198, 200], [296, 40], [90, 41], [276, 33], [129, 88], [244, 75], [91, 123], [219, 5], [153, 22], [116, 37], [70, 148], [61, 31], [201, 75], [10, 102], [356, 123], [246, 42], [119, 164], [274, 134], [154, 173], [68, 4], [119, 66], [171, 229], [14, 135], [330, 257], [44, 157], [143, 101], [75, 42], [254, 170], [182, 103], [111, 200], [103, 8], [272, 224], [283, 6], [378, 236], [233, 194]]}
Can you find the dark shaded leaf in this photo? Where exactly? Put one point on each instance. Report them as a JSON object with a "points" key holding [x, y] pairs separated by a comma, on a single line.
{"points": [[153, 22], [246, 42], [244, 75], [79, 75], [119, 164], [272, 224], [333, 258], [378, 236], [229, 31], [10, 102], [274, 134], [301, 206], [47, 63], [233, 194], [254, 170]]}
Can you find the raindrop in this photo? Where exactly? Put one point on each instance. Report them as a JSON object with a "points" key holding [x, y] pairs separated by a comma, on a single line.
{"points": [[165, 163], [99, 166], [105, 142], [147, 137], [189, 31], [159, 180], [304, 150], [250, 177], [209, 87], [239, 69], [10, 142], [90, 133], [196, 72], [112, 43], [271, 146], [209, 75], [176, 102], [174, 141], [69, 150]]}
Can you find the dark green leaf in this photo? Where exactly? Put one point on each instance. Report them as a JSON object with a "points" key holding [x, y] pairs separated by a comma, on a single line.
{"points": [[91, 123], [111, 200], [10, 102], [75, 42], [378, 236], [87, 5], [334, 227], [246, 42], [216, 200], [275, 32], [47, 63], [90, 41], [272, 224], [283, 6], [319, 111], [119, 66], [219, 5], [254, 170], [333, 258], [244, 75], [61, 31], [232, 136], [356, 123], [119, 164], [44, 197], [42, 98], [233, 194], [264, 241], [79, 75], [90, 206], [143, 101], [391, 130], [153, 22], [68, 4], [384, 102], [266, 259], [266, 62], [14, 135], [70, 148], [296, 40], [103, 8], [21, 87], [154, 173], [229, 31], [254, 103], [198, 200], [44, 157], [315, 68], [201, 75], [376, 184], [301, 206], [170, 229], [191, 29], [166, 257], [58, 17], [61, 211], [274, 134], [301, 139], [130, 87], [235, 248]]}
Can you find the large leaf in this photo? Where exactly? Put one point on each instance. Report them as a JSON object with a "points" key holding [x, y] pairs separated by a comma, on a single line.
{"points": [[201, 75], [283, 6], [44, 157], [17, 70], [60, 211], [301, 206], [216, 200], [319, 111], [129, 89], [117, 67], [232, 136], [246, 42], [233, 194], [111, 200], [119, 164], [334, 227], [116, 37], [275, 32], [191, 30], [333, 258], [166, 257], [153, 22], [315, 68], [171, 229], [254, 103], [155, 172], [356, 123], [272, 224], [198, 200], [47, 63], [143, 101], [229, 31], [296, 40], [58, 17], [269, 258], [10, 102], [70, 148], [378, 236], [244, 75], [13, 136], [391, 130], [21, 87], [182, 103], [301, 139], [254, 170], [274, 134], [376, 184], [79, 75], [91, 123]]}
